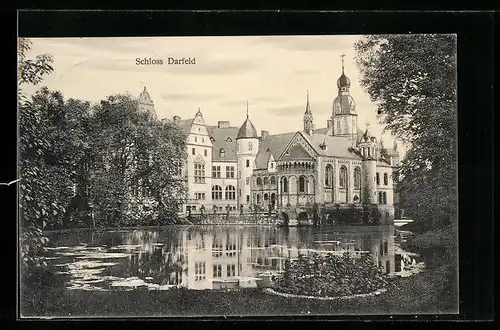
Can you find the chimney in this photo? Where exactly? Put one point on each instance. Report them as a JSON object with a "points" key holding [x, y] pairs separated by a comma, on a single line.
{"points": [[223, 124], [329, 123], [264, 134], [177, 119]]}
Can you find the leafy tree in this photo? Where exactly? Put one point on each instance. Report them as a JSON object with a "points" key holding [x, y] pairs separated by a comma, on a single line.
{"points": [[135, 181], [35, 189], [413, 81]]}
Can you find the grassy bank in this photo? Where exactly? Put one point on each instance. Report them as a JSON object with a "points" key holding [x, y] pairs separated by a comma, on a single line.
{"points": [[429, 292], [416, 294]]}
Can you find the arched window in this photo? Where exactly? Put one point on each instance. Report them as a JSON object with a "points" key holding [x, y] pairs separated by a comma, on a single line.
{"points": [[222, 153], [343, 177], [273, 180], [384, 198], [285, 185], [386, 179], [230, 193], [266, 196], [302, 184], [216, 192], [357, 178], [258, 198], [378, 179], [266, 181], [380, 198], [328, 175], [259, 181]]}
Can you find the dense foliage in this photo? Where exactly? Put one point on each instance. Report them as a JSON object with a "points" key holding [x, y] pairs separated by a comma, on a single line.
{"points": [[331, 276], [83, 165], [413, 81]]}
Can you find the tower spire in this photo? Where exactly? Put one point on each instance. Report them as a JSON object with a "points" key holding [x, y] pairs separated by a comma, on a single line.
{"points": [[308, 106], [343, 55]]}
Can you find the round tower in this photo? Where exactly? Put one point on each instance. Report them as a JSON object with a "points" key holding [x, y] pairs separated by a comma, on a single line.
{"points": [[248, 147], [368, 147]]}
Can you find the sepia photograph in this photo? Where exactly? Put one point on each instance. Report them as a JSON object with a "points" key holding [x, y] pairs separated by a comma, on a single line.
{"points": [[238, 176]]}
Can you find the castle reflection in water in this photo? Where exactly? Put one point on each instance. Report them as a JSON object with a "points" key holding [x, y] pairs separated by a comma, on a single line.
{"points": [[219, 257]]}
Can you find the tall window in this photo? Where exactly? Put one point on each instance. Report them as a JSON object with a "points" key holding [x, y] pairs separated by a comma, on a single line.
{"points": [[216, 192], [302, 184], [357, 178], [266, 197], [259, 181], [384, 198], [231, 270], [248, 198], [206, 153], [193, 151], [266, 180], [216, 171], [230, 193], [195, 139], [199, 271], [229, 172], [380, 198], [248, 162], [199, 173], [217, 271], [222, 153], [378, 179], [343, 177], [328, 175], [247, 181], [386, 179], [285, 185], [250, 145], [258, 198], [273, 180]]}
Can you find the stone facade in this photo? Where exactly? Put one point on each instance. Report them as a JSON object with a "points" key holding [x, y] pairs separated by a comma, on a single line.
{"points": [[229, 168]]}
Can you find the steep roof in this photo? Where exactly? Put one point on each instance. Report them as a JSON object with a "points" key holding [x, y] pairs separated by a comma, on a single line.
{"points": [[336, 146], [185, 125], [220, 141], [247, 130], [271, 145]]}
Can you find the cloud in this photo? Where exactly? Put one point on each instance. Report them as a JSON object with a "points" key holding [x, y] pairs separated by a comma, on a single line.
{"points": [[189, 96], [308, 43], [318, 108], [307, 72]]}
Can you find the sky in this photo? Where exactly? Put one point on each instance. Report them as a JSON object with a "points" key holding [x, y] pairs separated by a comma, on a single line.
{"points": [[272, 73]]}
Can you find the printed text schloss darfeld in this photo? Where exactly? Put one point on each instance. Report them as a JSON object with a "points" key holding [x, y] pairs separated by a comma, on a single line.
{"points": [[168, 60]]}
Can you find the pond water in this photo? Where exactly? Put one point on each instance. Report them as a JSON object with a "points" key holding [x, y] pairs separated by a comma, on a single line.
{"points": [[210, 257]]}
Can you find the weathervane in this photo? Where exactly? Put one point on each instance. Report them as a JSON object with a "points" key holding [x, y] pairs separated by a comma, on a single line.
{"points": [[247, 108]]}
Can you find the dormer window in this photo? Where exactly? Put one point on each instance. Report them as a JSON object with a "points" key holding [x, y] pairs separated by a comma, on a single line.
{"points": [[222, 153], [323, 146], [229, 139], [212, 139]]}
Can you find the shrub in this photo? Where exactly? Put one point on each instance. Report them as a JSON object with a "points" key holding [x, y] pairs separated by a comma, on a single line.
{"points": [[331, 276]]}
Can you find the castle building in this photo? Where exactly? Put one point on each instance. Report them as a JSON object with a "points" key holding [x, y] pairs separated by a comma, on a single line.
{"points": [[232, 167]]}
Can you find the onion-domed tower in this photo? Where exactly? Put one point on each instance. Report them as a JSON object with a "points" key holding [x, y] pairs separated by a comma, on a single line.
{"points": [[344, 116]]}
